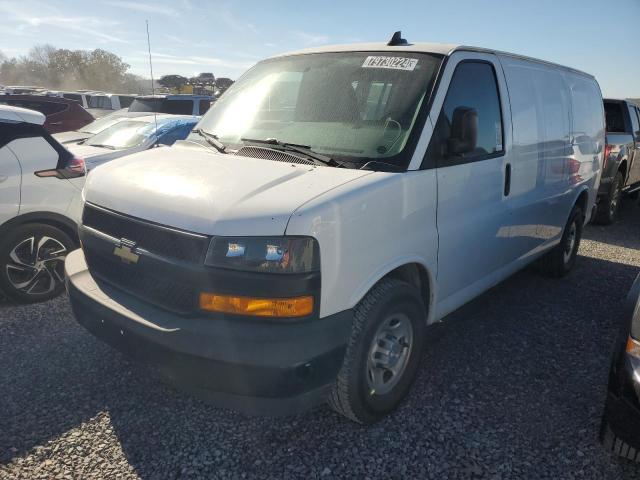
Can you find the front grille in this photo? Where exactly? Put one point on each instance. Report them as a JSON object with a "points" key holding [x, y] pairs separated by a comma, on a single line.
{"points": [[154, 238], [157, 289], [272, 154]]}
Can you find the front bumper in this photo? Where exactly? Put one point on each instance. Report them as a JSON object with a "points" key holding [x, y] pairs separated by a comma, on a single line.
{"points": [[262, 366]]}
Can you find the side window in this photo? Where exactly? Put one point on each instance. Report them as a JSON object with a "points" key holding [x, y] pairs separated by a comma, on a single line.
{"points": [[635, 126], [469, 127], [204, 106], [72, 96], [614, 117], [125, 101]]}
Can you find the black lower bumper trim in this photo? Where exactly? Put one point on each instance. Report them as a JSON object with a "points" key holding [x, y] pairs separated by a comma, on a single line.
{"points": [[259, 366]]}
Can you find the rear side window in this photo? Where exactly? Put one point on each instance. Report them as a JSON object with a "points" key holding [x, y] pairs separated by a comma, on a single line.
{"points": [[10, 131], [614, 117], [473, 104], [204, 106], [634, 120]]}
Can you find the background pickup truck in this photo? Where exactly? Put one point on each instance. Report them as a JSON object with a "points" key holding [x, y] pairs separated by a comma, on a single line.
{"points": [[621, 165]]}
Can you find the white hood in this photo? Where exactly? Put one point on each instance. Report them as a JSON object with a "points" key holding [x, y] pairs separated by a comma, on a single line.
{"points": [[200, 191]]}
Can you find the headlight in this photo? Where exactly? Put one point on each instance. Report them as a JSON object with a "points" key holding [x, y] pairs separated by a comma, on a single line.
{"points": [[265, 254]]}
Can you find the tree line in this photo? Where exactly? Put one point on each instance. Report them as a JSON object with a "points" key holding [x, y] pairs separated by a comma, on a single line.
{"points": [[63, 69]]}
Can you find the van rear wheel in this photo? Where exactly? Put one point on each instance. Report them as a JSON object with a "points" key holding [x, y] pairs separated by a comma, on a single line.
{"points": [[559, 261], [383, 354]]}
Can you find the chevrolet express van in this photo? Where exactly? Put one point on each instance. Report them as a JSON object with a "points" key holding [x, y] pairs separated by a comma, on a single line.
{"points": [[330, 206]]}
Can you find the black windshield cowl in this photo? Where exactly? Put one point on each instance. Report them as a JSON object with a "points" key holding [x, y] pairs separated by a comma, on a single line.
{"points": [[211, 140], [305, 150]]}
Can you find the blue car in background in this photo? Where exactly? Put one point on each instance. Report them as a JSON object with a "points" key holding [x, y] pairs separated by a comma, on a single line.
{"points": [[130, 135]]}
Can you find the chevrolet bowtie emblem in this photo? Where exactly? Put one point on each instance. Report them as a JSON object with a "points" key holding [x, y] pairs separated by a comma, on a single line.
{"points": [[126, 251]]}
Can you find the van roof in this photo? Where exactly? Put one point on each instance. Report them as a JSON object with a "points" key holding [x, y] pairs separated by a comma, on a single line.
{"points": [[445, 49], [18, 114]]}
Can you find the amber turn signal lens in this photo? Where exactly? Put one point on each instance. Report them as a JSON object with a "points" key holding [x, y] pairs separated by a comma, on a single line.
{"points": [[633, 347], [258, 307]]}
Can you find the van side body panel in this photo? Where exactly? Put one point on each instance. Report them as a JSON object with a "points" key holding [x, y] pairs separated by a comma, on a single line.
{"points": [[367, 228]]}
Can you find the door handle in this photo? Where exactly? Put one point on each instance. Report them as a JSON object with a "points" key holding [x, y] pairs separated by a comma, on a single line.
{"points": [[507, 180], [3, 178]]}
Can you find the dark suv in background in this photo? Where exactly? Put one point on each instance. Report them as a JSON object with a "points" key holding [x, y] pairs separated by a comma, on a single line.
{"points": [[621, 164], [61, 114]]}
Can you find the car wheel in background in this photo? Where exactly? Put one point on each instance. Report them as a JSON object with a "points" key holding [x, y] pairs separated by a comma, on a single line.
{"points": [[610, 204], [383, 354], [559, 261], [32, 262]]}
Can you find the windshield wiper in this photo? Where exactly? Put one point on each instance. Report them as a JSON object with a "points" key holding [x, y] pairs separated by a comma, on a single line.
{"points": [[294, 147], [101, 145], [212, 140]]}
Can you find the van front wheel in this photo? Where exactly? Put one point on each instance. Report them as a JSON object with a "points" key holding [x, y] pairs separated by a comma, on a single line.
{"points": [[383, 354], [559, 261]]}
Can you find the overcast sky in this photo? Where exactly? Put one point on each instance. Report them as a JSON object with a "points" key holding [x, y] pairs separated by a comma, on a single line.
{"points": [[227, 37]]}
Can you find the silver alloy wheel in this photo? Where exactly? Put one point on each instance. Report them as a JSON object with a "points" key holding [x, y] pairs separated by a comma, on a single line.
{"points": [[571, 242], [389, 353], [36, 265]]}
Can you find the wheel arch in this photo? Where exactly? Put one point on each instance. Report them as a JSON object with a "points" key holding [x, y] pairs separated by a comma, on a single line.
{"points": [[623, 168], [62, 222], [411, 270]]}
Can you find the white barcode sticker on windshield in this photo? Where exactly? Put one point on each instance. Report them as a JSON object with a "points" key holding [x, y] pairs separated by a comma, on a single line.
{"points": [[394, 63]]}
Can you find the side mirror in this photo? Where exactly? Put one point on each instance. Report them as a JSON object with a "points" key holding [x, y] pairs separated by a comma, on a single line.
{"points": [[464, 131]]}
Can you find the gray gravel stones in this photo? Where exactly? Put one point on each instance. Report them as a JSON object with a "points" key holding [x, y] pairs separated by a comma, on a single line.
{"points": [[512, 387]]}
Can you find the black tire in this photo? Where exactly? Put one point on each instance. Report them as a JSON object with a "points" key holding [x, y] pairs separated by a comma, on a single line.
{"points": [[616, 445], [50, 245], [352, 395], [610, 204], [559, 261]]}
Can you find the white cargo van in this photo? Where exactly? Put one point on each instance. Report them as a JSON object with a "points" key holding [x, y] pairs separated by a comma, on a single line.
{"points": [[330, 205]]}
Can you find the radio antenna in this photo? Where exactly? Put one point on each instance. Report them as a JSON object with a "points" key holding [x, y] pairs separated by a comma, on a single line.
{"points": [[153, 90]]}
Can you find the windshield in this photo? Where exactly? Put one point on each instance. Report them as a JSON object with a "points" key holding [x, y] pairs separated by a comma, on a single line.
{"points": [[353, 106], [124, 134], [162, 105], [100, 124]]}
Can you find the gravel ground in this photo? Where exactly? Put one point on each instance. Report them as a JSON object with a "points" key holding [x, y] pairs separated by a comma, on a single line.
{"points": [[512, 386]]}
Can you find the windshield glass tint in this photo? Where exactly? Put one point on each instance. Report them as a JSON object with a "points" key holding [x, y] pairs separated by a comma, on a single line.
{"points": [[358, 106], [125, 134]]}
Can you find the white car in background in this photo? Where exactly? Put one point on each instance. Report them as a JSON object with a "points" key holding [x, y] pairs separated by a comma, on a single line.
{"points": [[40, 202], [132, 134], [101, 104]]}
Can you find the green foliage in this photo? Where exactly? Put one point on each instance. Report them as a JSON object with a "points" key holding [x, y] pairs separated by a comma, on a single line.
{"points": [[59, 68]]}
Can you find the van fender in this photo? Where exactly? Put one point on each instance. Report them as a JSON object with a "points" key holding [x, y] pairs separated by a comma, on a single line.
{"points": [[382, 271]]}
